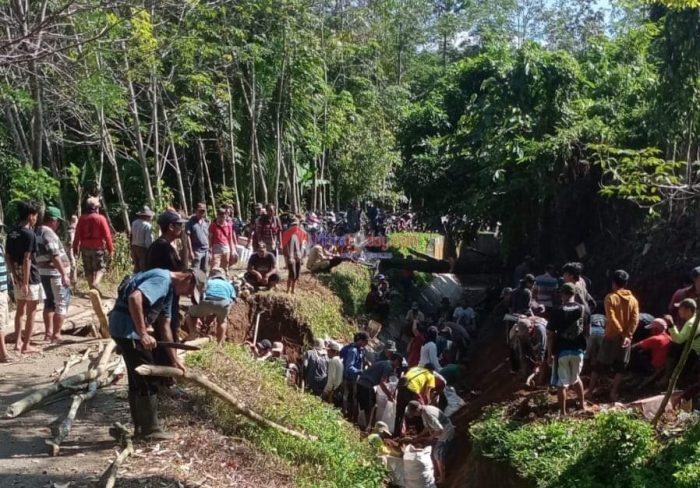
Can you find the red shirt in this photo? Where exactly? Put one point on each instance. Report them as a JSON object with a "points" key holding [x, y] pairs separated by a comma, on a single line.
{"points": [[658, 345], [294, 242], [220, 234], [92, 232], [413, 353]]}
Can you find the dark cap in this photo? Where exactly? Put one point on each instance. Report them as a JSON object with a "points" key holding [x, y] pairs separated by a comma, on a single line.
{"points": [[695, 272], [169, 217], [621, 276], [361, 336], [688, 303], [264, 344], [529, 278]]}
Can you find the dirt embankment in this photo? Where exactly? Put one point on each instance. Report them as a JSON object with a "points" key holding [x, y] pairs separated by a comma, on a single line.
{"points": [[489, 374]]}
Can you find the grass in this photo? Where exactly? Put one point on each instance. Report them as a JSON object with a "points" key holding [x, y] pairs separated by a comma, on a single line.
{"points": [[350, 282], [401, 242], [614, 449], [340, 458]]}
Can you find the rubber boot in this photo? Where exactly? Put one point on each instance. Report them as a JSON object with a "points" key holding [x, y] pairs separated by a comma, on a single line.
{"points": [[150, 427], [135, 414]]}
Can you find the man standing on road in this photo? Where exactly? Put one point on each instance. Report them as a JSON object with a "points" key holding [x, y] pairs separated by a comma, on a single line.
{"points": [[294, 241], [141, 238], [197, 229], [622, 318], [21, 261], [93, 240], [141, 300], [54, 269], [566, 344], [4, 303]]}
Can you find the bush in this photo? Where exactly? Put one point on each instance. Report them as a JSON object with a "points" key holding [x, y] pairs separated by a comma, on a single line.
{"points": [[351, 283], [340, 457], [608, 451]]}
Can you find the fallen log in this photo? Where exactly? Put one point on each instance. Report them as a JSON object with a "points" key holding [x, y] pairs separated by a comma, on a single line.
{"points": [[21, 406], [61, 430], [109, 477], [240, 407], [73, 360], [96, 301]]}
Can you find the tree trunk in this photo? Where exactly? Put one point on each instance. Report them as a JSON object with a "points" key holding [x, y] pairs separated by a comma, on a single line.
{"points": [[108, 149], [176, 164], [205, 168], [136, 123], [232, 142]]}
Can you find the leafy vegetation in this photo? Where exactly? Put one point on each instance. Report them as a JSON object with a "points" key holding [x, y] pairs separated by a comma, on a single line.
{"points": [[340, 458], [350, 282], [614, 449]]}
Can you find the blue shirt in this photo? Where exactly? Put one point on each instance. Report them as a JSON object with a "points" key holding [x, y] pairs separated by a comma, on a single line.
{"points": [[220, 289], [199, 231], [353, 361], [157, 290]]}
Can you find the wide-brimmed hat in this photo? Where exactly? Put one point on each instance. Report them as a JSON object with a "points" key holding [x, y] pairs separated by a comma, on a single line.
{"points": [[145, 211], [390, 346]]}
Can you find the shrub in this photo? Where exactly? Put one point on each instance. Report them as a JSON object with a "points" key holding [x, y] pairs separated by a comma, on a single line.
{"points": [[339, 458], [351, 283], [608, 451]]}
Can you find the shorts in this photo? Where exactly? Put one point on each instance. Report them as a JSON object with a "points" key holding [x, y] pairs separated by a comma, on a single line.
{"points": [[205, 308], [220, 249], [593, 346], [4, 311], [613, 355], [569, 364], [94, 260], [56, 296], [293, 268], [36, 293]]}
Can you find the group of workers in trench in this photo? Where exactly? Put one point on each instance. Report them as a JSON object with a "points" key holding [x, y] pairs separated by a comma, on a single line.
{"points": [[557, 331]]}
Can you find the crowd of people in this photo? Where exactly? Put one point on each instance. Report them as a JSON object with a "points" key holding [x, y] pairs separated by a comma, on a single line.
{"points": [[557, 331]]}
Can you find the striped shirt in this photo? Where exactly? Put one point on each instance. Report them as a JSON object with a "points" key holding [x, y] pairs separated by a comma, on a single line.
{"points": [[49, 246], [3, 270]]}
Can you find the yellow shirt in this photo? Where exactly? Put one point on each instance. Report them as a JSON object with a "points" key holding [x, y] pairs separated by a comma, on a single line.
{"points": [[418, 379]]}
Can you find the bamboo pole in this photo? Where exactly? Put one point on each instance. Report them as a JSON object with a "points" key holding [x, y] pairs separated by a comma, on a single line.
{"points": [[164, 371]]}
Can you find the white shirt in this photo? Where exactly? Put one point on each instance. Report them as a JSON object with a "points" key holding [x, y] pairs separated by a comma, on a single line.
{"points": [[141, 234], [428, 354], [335, 374]]}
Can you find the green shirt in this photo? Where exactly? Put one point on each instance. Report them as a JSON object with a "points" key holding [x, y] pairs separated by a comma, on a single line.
{"points": [[679, 337]]}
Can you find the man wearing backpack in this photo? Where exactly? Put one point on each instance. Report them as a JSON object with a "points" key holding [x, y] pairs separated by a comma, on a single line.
{"points": [[566, 340]]}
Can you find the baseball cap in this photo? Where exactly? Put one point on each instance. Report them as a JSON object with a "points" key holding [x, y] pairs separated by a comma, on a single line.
{"points": [[54, 213], [217, 273], [659, 324], [695, 272], [278, 347], [686, 303], [169, 217], [264, 344], [381, 428]]}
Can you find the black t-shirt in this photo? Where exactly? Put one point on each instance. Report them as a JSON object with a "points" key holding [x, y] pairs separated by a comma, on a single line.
{"points": [[262, 264], [21, 240], [161, 254], [564, 320]]}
